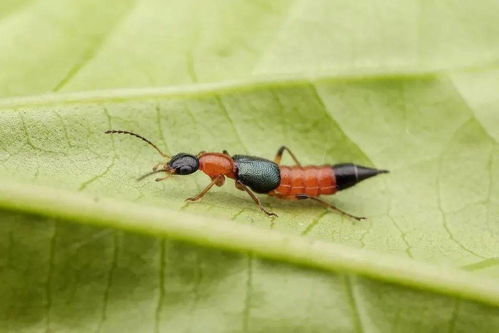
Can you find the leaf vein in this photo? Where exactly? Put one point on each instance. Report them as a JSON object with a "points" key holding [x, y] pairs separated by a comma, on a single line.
{"points": [[312, 224], [231, 122], [357, 322], [109, 167], [249, 293], [109, 281], [454, 317], [92, 51], [161, 282], [442, 212], [50, 273]]}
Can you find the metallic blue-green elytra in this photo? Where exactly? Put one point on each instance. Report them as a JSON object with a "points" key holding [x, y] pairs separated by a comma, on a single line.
{"points": [[259, 174]]}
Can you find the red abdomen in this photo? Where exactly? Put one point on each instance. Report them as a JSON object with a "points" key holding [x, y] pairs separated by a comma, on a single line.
{"points": [[309, 180]]}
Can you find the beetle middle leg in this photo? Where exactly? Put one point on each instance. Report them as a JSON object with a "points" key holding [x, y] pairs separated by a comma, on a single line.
{"points": [[218, 180], [328, 205], [278, 156], [242, 187]]}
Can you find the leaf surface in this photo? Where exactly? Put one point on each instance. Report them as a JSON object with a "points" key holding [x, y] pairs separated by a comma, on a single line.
{"points": [[452, 223], [356, 89]]}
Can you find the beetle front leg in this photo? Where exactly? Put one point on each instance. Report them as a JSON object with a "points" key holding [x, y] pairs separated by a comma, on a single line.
{"points": [[218, 180]]}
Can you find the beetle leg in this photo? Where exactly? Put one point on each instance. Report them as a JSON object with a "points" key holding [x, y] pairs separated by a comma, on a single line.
{"points": [[225, 152], [278, 156], [215, 180], [156, 167], [242, 187], [239, 186], [219, 180], [328, 205]]}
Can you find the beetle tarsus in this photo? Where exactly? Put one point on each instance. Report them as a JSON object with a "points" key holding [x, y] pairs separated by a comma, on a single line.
{"points": [[269, 214]]}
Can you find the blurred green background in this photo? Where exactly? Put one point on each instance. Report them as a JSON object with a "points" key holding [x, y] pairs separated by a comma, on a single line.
{"points": [[58, 45]]}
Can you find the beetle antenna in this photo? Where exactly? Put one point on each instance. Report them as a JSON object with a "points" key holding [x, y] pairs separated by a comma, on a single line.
{"points": [[140, 137]]}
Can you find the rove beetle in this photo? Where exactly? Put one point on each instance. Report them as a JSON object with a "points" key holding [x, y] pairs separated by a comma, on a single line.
{"points": [[256, 174]]}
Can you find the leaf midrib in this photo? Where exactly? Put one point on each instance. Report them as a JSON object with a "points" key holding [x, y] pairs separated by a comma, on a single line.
{"points": [[223, 234], [223, 87], [198, 90]]}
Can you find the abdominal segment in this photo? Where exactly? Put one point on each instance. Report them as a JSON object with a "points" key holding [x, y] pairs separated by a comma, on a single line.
{"points": [[309, 180]]}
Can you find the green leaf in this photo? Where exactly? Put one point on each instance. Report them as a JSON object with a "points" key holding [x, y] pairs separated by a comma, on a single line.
{"points": [[55, 147], [85, 247]]}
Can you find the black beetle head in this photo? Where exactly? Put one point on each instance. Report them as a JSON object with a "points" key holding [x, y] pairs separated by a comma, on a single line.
{"points": [[183, 164]]}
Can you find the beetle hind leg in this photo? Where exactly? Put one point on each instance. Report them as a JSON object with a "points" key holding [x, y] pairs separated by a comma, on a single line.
{"points": [[328, 205]]}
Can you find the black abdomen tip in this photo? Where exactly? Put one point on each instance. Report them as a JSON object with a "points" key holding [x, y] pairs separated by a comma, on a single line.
{"points": [[349, 174]]}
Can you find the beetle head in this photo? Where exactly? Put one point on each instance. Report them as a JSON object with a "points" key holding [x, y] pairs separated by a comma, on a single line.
{"points": [[182, 164]]}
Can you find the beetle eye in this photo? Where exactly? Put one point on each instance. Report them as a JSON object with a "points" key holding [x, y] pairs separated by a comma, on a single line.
{"points": [[184, 170]]}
